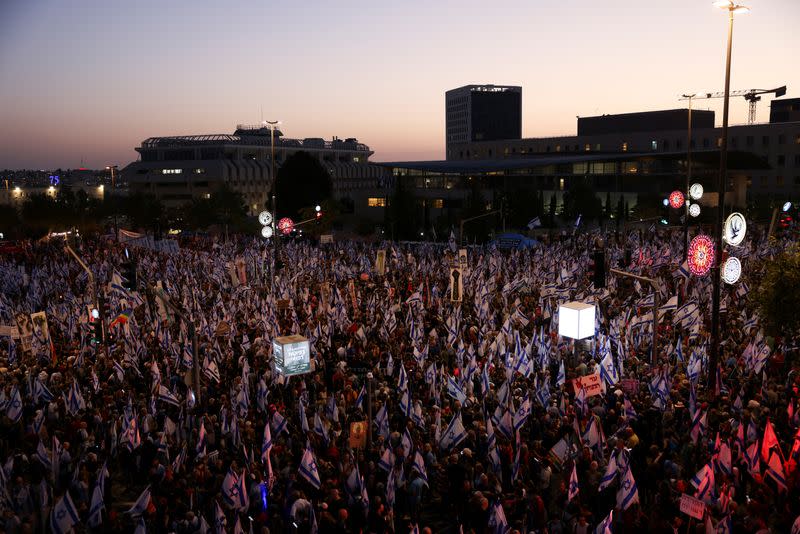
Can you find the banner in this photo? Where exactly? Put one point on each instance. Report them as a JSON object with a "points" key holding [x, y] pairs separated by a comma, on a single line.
{"points": [[380, 262], [692, 507], [591, 383], [25, 329]]}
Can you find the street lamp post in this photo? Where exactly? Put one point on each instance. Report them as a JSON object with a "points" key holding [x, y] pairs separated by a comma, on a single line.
{"points": [[732, 8], [688, 179], [275, 237]]}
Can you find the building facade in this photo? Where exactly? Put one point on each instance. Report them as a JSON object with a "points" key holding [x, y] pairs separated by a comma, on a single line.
{"points": [[181, 168], [777, 143], [482, 113]]}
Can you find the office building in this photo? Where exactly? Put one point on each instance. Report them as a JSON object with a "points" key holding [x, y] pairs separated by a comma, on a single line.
{"points": [[178, 169], [482, 113], [777, 143]]}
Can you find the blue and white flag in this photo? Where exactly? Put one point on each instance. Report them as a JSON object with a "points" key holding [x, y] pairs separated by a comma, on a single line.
{"points": [[605, 525], [454, 434], [627, 494], [361, 396], [534, 223], [141, 504], [402, 379], [387, 460], [40, 392], [522, 414], [610, 474], [498, 524], [63, 516], [308, 469], [454, 390], [608, 370], [14, 406], [561, 379], [419, 467], [573, 483], [279, 423]]}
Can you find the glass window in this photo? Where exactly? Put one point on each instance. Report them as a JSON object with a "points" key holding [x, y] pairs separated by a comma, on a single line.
{"points": [[624, 146], [781, 139], [438, 203], [749, 140], [587, 147], [779, 181], [765, 140], [376, 202], [654, 144], [781, 160]]}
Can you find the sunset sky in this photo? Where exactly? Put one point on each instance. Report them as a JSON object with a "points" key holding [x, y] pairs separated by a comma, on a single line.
{"points": [[90, 79]]}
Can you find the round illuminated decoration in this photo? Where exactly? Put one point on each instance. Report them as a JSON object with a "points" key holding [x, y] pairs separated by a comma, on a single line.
{"points": [[734, 230], [787, 206], [696, 191], [265, 218], [694, 210], [732, 270], [266, 232], [701, 255], [285, 226], [676, 199], [666, 202]]}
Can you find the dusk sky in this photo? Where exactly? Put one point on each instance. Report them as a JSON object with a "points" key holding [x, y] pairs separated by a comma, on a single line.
{"points": [[90, 79]]}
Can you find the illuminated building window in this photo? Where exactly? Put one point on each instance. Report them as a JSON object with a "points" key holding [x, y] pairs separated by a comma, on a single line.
{"points": [[356, 159], [654, 144], [376, 202], [587, 147], [558, 148], [171, 171], [437, 203], [561, 184], [625, 146], [199, 171]]}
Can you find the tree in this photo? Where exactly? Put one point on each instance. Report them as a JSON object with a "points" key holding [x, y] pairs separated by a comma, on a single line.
{"points": [[302, 182], [778, 295], [144, 211], [401, 213], [580, 199]]}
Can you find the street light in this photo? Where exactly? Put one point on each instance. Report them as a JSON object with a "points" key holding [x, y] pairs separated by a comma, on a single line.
{"points": [[688, 176], [732, 8], [272, 125]]}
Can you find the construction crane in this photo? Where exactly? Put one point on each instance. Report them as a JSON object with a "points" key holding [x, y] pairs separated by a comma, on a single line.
{"points": [[751, 95]]}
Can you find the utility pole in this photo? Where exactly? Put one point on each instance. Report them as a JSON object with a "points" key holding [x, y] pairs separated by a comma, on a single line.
{"points": [[652, 282], [369, 409], [275, 236], [688, 180]]}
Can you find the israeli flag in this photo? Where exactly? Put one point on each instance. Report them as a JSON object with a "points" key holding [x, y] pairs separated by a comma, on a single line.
{"points": [[14, 406], [279, 423], [454, 390], [141, 504], [627, 494], [419, 466], [573, 484], [308, 469], [608, 370], [387, 460], [498, 524], [610, 474], [454, 434], [561, 379], [64, 515], [402, 379]]}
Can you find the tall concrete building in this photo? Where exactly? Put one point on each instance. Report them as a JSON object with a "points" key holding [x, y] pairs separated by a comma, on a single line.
{"points": [[482, 113]]}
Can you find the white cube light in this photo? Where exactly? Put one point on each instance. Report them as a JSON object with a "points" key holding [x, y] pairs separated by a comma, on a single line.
{"points": [[576, 320]]}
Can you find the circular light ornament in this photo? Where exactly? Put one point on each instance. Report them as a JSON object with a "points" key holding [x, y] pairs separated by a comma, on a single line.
{"points": [[676, 199], [734, 230], [696, 191], [666, 202], [285, 226], [732, 270], [694, 210], [265, 218], [701, 255], [787, 206], [266, 232]]}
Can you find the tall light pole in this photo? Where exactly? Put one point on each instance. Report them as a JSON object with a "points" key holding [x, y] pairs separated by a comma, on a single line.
{"points": [[275, 237], [688, 180], [732, 8]]}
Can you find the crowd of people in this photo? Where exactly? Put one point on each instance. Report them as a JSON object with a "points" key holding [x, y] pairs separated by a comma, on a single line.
{"points": [[479, 417]]}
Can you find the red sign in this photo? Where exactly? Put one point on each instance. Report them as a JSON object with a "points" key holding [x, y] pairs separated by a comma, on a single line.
{"points": [[701, 255], [676, 199], [692, 507], [591, 383]]}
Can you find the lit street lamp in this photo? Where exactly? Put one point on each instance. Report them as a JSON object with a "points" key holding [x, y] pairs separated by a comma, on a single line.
{"points": [[732, 8]]}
